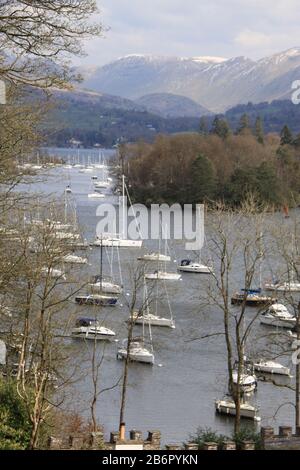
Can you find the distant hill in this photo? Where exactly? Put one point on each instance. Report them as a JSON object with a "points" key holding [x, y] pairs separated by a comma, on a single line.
{"points": [[105, 119], [213, 82], [170, 105]]}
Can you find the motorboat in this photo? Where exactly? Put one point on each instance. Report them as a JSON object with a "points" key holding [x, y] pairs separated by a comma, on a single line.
{"points": [[278, 315], [137, 352], [154, 257], [251, 297], [271, 367], [189, 266], [248, 382], [226, 406], [96, 299], [90, 328]]}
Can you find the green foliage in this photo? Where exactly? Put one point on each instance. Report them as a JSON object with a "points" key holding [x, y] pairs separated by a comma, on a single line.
{"points": [[258, 130], [220, 127], [14, 424], [203, 182], [244, 124], [286, 137], [261, 181], [203, 435]]}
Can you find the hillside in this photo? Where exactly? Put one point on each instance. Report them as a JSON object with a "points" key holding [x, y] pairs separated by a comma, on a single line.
{"points": [[215, 83]]}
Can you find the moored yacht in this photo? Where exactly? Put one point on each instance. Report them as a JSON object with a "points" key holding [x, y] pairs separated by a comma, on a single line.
{"points": [[283, 286], [90, 328], [226, 406], [162, 276], [154, 257], [189, 266], [137, 352], [271, 367], [279, 316]]}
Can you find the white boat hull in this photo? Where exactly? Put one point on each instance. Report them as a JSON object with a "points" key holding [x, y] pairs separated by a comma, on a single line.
{"points": [[228, 408], [269, 369], [154, 320], [162, 276], [119, 243], [106, 287], [155, 257], [277, 322], [195, 269], [146, 357], [91, 334]]}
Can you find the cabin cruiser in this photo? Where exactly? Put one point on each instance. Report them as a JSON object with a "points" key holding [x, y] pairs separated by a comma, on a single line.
{"points": [[139, 318], [189, 266]]}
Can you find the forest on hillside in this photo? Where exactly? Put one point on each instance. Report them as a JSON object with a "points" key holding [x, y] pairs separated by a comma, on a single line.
{"points": [[219, 165]]}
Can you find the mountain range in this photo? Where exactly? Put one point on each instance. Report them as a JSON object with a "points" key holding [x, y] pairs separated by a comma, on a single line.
{"points": [[177, 86]]}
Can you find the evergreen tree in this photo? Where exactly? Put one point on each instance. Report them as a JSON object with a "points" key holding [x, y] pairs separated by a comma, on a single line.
{"points": [[220, 127], [244, 124], [286, 137], [259, 130], [203, 126], [203, 182]]}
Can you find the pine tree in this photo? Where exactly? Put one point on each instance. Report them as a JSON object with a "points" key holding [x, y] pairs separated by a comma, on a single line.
{"points": [[220, 127], [203, 182], [286, 136], [259, 130], [203, 127], [244, 124]]}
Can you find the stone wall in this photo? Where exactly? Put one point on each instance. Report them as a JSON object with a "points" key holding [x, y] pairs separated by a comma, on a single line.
{"points": [[284, 440]]}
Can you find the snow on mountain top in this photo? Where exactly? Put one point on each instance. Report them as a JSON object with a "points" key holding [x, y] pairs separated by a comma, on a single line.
{"points": [[209, 59]]}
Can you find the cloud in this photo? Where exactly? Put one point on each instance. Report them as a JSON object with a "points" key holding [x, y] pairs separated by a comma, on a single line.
{"points": [[195, 27], [251, 39]]}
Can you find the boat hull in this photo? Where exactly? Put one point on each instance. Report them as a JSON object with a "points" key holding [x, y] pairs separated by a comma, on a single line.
{"points": [[228, 408], [136, 357], [165, 322], [119, 243], [92, 300]]}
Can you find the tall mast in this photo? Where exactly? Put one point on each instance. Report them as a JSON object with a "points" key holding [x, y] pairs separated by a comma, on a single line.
{"points": [[101, 263], [123, 207]]}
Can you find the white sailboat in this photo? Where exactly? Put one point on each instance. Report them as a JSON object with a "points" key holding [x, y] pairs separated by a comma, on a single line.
{"points": [[96, 195], [278, 315], [119, 240], [271, 367], [283, 286], [54, 273], [153, 319], [162, 276], [90, 328], [226, 406], [152, 256], [74, 259], [138, 352], [99, 284]]}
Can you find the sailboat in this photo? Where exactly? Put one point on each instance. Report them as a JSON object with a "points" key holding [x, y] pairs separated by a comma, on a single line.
{"points": [[118, 240], [189, 266], [138, 352], [248, 380], [153, 319], [160, 274], [279, 316], [90, 328], [271, 367], [99, 284], [226, 406]]}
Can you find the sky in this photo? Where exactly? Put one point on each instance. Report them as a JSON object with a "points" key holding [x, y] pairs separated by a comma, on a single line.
{"points": [[189, 28]]}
